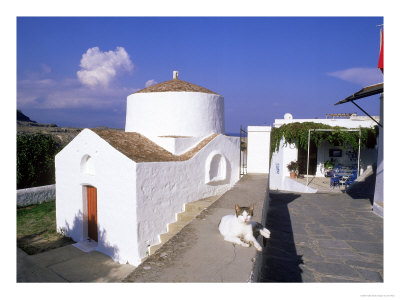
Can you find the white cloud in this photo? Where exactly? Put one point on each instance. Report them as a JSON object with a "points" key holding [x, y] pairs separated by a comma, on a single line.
{"points": [[361, 76], [150, 82], [45, 69], [68, 93], [100, 68]]}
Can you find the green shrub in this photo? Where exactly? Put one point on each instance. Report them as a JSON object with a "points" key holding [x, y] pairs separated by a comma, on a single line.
{"points": [[35, 160]]}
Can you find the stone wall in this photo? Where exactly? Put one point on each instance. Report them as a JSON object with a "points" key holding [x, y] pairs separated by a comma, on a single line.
{"points": [[36, 195]]}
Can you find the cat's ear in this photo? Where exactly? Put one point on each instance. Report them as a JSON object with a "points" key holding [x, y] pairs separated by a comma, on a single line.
{"points": [[251, 208], [237, 210]]}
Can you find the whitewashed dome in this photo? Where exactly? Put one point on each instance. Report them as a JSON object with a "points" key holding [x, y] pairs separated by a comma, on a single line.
{"points": [[175, 108]]}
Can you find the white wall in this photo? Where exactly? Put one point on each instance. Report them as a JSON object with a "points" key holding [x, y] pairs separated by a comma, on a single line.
{"points": [[36, 195], [279, 161], [279, 173], [176, 146], [348, 123], [164, 187], [175, 113], [258, 147], [114, 176], [135, 201]]}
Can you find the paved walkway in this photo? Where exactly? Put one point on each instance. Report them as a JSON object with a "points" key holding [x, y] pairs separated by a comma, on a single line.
{"points": [[314, 238], [198, 253], [322, 238], [69, 264]]}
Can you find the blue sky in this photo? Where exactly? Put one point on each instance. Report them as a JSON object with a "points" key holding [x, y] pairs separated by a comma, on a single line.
{"points": [[78, 71]]}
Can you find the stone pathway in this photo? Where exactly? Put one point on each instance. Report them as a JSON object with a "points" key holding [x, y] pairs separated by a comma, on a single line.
{"points": [[198, 252], [69, 264], [322, 184], [322, 238]]}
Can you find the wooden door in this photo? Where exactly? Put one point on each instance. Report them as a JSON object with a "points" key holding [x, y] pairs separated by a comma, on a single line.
{"points": [[92, 212]]}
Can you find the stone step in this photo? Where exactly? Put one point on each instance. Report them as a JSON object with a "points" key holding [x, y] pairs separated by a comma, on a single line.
{"points": [[186, 216], [166, 237], [177, 226], [198, 206], [192, 210], [154, 248]]}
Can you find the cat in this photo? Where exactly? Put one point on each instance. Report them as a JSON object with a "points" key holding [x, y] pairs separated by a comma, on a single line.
{"points": [[240, 230]]}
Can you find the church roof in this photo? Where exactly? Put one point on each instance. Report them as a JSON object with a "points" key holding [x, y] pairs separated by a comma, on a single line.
{"points": [[175, 85], [140, 149]]}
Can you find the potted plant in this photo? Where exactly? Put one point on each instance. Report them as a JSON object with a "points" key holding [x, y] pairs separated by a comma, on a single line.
{"points": [[328, 166], [293, 167]]}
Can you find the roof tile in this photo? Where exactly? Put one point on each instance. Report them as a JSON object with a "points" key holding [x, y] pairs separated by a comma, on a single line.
{"points": [[140, 149], [175, 85]]}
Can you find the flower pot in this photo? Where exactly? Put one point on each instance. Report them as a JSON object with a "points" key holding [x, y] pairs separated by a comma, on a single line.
{"points": [[292, 175]]}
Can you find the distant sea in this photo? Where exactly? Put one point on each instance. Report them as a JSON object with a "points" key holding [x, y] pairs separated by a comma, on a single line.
{"points": [[232, 134]]}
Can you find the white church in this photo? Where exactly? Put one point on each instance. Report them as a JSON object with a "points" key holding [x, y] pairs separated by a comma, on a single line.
{"points": [[121, 189]]}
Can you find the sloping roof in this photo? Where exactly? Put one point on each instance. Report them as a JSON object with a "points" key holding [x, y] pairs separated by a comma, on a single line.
{"points": [[175, 85], [140, 149], [365, 92]]}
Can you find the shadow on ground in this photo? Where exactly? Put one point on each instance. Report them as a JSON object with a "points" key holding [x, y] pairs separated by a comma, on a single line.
{"points": [[364, 189], [37, 243], [280, 262], [59, 263]]}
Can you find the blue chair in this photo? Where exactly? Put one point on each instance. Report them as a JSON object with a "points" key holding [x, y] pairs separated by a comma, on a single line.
{"points": [[334, 181], [337, 169], [349, 181]]}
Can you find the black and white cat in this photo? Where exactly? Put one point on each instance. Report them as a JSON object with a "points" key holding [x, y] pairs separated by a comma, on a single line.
{"points": [[239, 229]]}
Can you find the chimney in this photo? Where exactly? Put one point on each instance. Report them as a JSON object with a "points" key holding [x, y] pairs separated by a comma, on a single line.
{"points": [[175, 74]]}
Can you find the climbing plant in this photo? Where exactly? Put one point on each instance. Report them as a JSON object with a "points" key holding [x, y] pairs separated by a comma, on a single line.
{"points": [[298, 133]]}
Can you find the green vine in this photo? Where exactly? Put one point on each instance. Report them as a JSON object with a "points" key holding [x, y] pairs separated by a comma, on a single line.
{"points": [[298, 133]]}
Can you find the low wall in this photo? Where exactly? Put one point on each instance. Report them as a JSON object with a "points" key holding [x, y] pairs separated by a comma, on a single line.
{"points": [[36, 195], [294, 186], [259, 256]]}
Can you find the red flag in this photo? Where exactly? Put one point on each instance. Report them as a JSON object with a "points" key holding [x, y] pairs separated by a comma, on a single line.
{"points": [[380, 62]]}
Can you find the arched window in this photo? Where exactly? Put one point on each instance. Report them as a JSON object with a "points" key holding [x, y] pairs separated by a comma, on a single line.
{"points": [[87, 165], [215, 167]]}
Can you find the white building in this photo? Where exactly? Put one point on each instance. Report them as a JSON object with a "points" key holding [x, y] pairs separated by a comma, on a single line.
{"points": [[279, 174], [121, 189], [363, 93], [258, 148]]}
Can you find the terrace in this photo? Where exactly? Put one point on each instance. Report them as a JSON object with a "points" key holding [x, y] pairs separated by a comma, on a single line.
{"points": [[362, 186]]}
